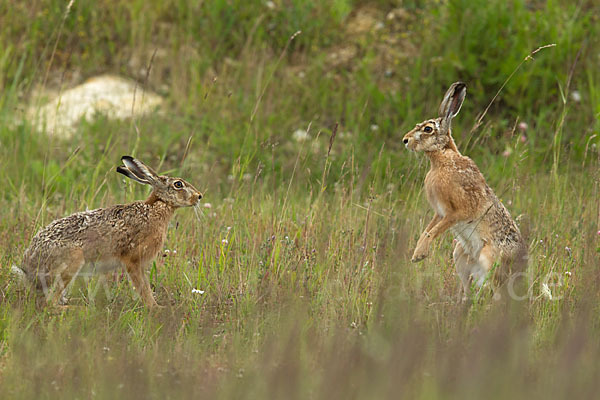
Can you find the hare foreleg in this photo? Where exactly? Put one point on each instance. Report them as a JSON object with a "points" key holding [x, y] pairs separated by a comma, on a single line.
{"points": [[434, 221], [140, 282], [422, 249]]}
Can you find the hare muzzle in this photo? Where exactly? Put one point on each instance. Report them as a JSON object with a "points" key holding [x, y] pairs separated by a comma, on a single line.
{"points": [[410, 140]]}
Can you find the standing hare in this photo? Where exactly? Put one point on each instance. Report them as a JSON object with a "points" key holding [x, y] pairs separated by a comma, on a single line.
{"points": [[464, 203], [128, 235]]}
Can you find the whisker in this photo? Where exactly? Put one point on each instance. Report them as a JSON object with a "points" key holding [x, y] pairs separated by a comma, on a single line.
{"points": [[199, 212]]}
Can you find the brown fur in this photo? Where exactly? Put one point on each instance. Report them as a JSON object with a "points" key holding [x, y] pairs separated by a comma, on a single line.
{"points": [[464, 203], [128, 236]]}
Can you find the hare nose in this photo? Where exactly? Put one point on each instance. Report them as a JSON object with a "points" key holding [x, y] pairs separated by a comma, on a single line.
{"points": [[405, 141], [199, 196]]}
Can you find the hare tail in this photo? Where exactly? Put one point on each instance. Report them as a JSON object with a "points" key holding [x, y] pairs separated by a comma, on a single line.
{"points": [[19, 275]]}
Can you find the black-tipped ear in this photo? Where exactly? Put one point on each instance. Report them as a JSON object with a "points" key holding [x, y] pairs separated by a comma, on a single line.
{"points": [[453, 100], [140, 170], [129, 174]]}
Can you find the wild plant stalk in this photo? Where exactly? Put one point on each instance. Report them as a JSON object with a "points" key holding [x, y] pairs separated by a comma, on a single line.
{"points": [[264, 89], [145, 84], [60, 29], [40, 214], [327, 165], [556, 143], [291, 179]]}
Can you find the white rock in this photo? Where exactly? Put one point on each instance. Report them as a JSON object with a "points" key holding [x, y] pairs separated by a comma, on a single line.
{"points": [[113, 96]]}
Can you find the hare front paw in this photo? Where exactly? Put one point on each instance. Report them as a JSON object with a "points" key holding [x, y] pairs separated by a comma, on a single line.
{"points": [[421, 252]]}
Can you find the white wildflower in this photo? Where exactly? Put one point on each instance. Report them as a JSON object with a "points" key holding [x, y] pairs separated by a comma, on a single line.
{"points": [[546, 291], [197, 291], [576, 96], [300, 135]]}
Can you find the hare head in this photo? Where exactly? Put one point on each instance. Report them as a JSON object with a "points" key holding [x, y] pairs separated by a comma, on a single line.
{"points": [[434, 134], [173, 191]]}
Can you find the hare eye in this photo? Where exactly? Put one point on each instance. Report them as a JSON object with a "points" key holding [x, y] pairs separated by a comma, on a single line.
{"points": [[428, 129], [178, 184]]}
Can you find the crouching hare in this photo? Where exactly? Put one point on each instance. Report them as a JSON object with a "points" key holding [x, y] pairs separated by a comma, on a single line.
{"points": [[463, 202], [122, 236]]}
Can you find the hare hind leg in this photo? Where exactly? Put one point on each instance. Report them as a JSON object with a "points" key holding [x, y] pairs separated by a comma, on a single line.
{"points": [[472, 269], [66, 268], [512, 277], [463, 264]]}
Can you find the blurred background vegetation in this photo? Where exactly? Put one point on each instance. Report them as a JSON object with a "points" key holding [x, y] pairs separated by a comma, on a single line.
{"points": [[296, 227], [373, 67]]}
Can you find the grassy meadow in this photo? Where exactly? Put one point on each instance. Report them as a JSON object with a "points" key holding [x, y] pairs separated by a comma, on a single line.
{"points": [[295, 280]]}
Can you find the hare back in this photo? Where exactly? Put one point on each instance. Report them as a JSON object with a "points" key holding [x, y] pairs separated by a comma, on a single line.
{"points": [[136, 231], [492, 225], [502, 229]]}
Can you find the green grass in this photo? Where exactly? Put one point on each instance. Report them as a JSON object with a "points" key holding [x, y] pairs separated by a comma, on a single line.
{"points": [[304, 257]]}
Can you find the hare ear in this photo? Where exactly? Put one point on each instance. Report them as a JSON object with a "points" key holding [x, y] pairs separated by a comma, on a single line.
{"points": [[450, 105], [125, 171], [140, 170], [453, 100]]}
